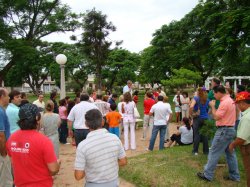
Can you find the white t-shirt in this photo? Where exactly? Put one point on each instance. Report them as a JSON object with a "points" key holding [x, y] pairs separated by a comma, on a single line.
{"points": [[186, 135], [161, 111], [127, 89], [77, 114], [39, 104]]}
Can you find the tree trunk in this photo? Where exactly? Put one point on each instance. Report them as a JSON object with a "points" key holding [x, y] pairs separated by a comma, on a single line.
{"points": [[99, 79]]}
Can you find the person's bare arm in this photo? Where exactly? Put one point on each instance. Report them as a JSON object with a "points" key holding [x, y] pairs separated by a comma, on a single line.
{"points": [[70, 132], [193, 102], [79, 174], [3, 150], [54, 167], [170, 117], [150, 114], [212, 105], [122, 161], [235, 143]]}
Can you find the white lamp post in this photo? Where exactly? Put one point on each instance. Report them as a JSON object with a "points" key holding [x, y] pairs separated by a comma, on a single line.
{"points": [[61, 59]]}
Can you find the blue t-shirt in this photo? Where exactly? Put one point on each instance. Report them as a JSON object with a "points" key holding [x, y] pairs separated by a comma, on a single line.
{"points": [[4, 123], [203, 108]]}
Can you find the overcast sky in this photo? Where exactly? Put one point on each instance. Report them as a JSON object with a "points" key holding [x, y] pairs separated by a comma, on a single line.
{"points": [[135, 20]]}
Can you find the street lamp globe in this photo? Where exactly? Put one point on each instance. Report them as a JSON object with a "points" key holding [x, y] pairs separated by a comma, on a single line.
{"points": [[61, 59]]}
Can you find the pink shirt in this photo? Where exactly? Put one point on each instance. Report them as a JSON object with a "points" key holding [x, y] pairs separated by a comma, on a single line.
{"points": [[62, 112], [226, 111]]}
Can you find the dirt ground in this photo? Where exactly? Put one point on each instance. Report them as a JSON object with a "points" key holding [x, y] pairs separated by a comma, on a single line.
{"points": [[67, 155]]}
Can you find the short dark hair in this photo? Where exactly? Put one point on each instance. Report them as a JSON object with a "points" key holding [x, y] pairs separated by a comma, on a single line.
{"points": [[216, 80], [185, 93], [62, 102], [23, 95], [113, 106], [160, 98], [53, 94], [93, 119], [99, 96], [84, 97], [67, 98], [14, 93], [220, 89], [114, 95]]}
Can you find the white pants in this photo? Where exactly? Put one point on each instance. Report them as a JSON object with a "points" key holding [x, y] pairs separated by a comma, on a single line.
{"points": [[6, 179], [130, 125], [147, 124], [185, 113]]}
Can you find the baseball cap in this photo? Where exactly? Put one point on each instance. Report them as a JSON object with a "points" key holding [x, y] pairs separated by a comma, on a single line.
{"points": [[28, 111], [242, 96]]}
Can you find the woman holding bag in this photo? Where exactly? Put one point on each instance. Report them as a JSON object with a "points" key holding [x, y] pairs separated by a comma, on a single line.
{"points": [[128, 121], [199, 111]]}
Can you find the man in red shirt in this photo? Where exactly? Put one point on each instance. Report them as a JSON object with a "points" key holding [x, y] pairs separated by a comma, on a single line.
{"points": [[32, 154], [148, 120]]}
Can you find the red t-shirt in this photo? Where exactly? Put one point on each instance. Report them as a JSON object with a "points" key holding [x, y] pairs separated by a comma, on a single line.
{"points": [[148, 103], [113, 118], [135, 99], [30, 152]]}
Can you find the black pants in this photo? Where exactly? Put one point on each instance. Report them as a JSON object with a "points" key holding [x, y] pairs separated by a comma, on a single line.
{"points": [[63, 131], [80, 135], [176, 138], [197, 124]]}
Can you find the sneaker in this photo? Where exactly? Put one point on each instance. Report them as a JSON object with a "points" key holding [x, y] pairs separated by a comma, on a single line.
{"points": [[227, 178], [143, 139], [202, 176], [195, 154]]}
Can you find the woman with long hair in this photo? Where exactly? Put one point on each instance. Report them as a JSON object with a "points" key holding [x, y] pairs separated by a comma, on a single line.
{"points": [[184, 135], [199, 106], [50, 122], [128, 121]]}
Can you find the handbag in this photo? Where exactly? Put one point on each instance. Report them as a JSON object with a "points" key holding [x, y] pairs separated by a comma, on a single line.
{"points": [[196, 113], [136, 113]]}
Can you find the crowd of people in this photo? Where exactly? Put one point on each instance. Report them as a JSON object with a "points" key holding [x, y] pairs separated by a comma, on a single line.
{"points": [[30, 134]]}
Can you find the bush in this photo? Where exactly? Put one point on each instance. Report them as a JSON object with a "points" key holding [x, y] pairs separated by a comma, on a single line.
{"points": [[208, 129]]}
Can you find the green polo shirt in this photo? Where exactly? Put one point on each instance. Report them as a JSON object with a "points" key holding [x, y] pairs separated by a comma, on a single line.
{"points": [[243, 130], [211, 97]]}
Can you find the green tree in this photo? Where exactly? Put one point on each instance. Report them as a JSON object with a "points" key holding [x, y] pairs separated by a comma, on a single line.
{"points": [[121, 65], [182, 78], [95, 43], [24, 23]]}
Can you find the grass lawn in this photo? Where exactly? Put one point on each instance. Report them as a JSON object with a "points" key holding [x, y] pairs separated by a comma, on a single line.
{"points": [[173, 167]]}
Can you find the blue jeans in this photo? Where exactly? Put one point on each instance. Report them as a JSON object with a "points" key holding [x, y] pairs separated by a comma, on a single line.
{"points": [[156, 128], [222, 138], [115, 130]]}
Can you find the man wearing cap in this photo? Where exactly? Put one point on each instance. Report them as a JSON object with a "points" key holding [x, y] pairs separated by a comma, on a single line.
{"points": [[99, 156], [243, 132], [32, 154], [6, 178], [225, 117]]}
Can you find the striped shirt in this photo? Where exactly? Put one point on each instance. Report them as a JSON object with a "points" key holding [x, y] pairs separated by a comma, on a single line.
{"points": [[98, 156]]}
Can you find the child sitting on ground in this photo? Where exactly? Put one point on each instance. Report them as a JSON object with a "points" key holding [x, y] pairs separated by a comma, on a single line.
{"points": [[113, 119]]}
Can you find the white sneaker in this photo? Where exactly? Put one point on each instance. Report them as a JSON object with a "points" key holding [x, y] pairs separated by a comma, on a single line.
{"points": [[195, 154], [143, 139]]}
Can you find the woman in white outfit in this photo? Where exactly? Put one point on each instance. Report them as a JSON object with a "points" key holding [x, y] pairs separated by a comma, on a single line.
{"points": [[128, 121]]}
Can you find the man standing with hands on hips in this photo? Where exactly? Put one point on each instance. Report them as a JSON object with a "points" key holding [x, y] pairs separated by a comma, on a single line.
{"points": [[243, 132], [225, 117]]}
